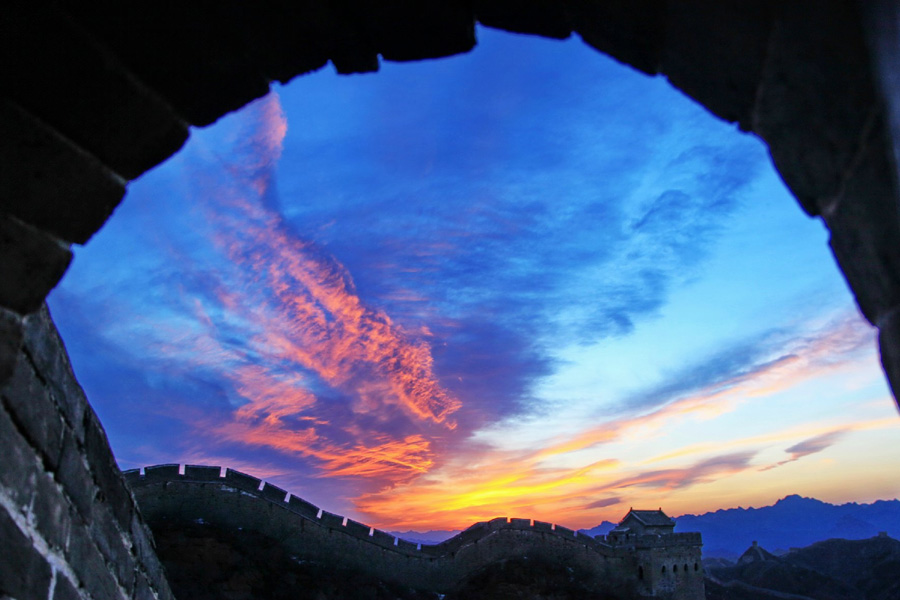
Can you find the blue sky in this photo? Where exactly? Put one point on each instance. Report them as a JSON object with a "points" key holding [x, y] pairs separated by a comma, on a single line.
{"points": [[526, 281]]}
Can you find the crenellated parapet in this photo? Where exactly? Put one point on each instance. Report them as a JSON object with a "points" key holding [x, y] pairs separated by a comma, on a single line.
{"points": [[218, 496]]}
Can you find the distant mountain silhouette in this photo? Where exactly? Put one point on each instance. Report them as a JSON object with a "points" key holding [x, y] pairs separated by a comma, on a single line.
{"points": [[835, 569], [791, 522]]}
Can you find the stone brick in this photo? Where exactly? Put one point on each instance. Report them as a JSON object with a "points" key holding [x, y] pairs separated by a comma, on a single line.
{"points": [[64, 589], [50, 62], [144, 547], [241, 481], [108, 538], [52, 513], [162, 473], [274, 493], [865, 232], [105, 471], [31, 264], [202, 473], [815, 97], [75, 478], [19, 468], [48, 354], [24, 573], [49, 182], [203, 71], [547, 18], [11, 333], [35, 414], [631, 31], [90, 567], [715, 51]]}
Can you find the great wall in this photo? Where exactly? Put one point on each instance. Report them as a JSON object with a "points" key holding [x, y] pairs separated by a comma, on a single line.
{"points": [[95, 94], [651, 565]]}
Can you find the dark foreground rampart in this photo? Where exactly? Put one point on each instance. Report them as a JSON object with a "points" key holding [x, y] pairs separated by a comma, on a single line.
{"points": [[171, 494]]}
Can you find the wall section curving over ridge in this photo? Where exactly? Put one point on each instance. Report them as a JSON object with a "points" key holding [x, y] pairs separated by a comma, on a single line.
{"points": [[169, 495], [94, 94]]}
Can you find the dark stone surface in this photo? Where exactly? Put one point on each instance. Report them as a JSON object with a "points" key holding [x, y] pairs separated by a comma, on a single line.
{"points": [[107, 536], [274, 493], [64, 589], [24, 574], [202, 473], [547, 18], [865, 230], [889, 344], [19, 468], [34, 412], [91, 568], [48, 182], [73, 474], [815, 98], [31, 264], [404, 30], [107, 477], [192, 53], [48, 355], [715, 51], [51, 512], [11, 332], [631, 31], [48, 65]]}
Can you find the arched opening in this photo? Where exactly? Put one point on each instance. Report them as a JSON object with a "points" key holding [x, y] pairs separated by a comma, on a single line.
{"points": [[663, 571], [327, 226], [180, 89], [641, 573]]}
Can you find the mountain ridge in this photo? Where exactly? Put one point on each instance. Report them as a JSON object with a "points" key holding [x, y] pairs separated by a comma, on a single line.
{"points": [[792, 521]]}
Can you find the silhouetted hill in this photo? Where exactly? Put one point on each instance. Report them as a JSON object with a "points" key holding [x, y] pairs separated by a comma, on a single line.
{"points": [[830, 570], [793, 521], [871, 565]]}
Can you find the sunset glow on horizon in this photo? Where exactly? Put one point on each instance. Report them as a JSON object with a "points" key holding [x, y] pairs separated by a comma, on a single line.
{"points": [[524, 282]]}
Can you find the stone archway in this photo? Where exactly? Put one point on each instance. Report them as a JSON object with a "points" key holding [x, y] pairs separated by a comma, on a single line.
{"points": [[94, 94]]}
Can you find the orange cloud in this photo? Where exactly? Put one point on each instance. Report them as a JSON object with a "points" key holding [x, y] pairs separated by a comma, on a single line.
{"points": [[286, 326]]}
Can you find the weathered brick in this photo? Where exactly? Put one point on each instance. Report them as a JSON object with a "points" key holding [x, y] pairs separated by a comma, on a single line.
{"points": [[90, 567], [49, 62], [49, 182], [108, 538], [35, 414], [105, 471], [11, 333], [31, 263], [48, 353], [64, 589], [52, 512], [24, 573], [75, 478], [19, 468]]}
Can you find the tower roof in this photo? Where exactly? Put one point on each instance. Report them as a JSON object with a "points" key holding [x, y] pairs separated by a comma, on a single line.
{"points": [[650, 518]]}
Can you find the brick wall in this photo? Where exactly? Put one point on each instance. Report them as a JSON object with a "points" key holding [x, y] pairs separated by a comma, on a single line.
{"points": [[69, 528]]}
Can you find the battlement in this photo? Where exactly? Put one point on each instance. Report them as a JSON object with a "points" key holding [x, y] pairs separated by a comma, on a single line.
{"points": [[230, 499]]}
